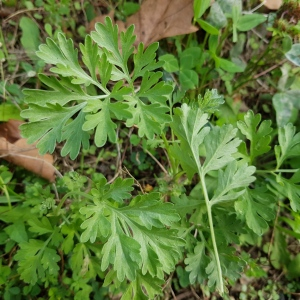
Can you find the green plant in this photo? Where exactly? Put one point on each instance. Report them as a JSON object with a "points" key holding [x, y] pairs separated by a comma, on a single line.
{"points": [[90, 229]]}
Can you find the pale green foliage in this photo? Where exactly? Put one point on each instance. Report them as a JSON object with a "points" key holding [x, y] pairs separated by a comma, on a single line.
{"points": [[258, 133], [191, 127], [53, 117]]}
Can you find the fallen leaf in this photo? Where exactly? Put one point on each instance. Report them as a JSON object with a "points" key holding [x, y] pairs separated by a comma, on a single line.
{"points": [[273, 4], [27, 156], [10, 130], [15, 149], [158, 19]]}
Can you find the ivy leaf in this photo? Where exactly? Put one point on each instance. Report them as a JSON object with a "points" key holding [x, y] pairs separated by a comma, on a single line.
{"points": [[257, 207], [196, 264], [232, 178], [220, 144], [288, 143], [259, 135]]}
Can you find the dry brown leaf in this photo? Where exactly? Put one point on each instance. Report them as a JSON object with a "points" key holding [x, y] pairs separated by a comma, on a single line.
{"points": [[28, 157], [10, 130], [158, 19], [273, 4], [16, 150]]}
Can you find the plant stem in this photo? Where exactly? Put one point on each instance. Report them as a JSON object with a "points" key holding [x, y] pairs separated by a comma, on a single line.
{"points": [[278, 171], [212, 232], [4, 188]]}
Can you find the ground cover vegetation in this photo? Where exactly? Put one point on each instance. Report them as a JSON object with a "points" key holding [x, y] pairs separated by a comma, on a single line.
{"points": [[166, 170]]}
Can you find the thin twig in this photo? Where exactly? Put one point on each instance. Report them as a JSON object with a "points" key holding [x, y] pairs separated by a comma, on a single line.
{"points": [[137, 183], [269, 69], [160, 165], [21, 12]]}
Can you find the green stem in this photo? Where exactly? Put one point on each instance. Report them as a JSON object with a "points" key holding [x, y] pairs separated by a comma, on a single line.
{"points": [[278, 171], [4, 188], [171, 159], [212, 232]]}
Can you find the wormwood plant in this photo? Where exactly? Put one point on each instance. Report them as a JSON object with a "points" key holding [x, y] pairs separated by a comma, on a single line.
{"points": [[133, 241]]}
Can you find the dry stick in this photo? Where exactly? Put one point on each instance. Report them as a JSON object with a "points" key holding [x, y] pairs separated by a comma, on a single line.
{"points": [[21, 12], [160, 165], [270, 69], [273, 232], [137, 183]]}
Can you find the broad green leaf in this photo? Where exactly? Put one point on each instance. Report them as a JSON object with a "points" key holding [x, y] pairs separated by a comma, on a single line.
{"points": [[289, 143], [286, 105], [17, 232], [196, 264], [280, 256], [47, 124], [257, 206], [190, 57], [258, 133], [249, 21], [200, 7], [188, 79], [208, 27], [220, 144], [293, 55], [30, 39], [232, 182], [189, 126], [228, 65], [170, 63]]}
